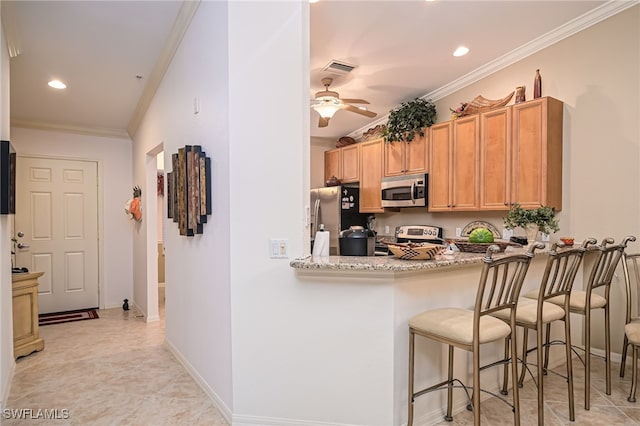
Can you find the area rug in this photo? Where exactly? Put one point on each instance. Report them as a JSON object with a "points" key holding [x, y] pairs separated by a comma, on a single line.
{"points": [[68, 316]]}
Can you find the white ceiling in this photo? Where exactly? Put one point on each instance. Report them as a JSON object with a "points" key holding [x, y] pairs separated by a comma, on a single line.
{"points": [[402, 50]]}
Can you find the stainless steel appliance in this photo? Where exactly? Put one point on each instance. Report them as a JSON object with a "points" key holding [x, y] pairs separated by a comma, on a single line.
{"points": [[404, 191], [419, 234], [337, 208]]}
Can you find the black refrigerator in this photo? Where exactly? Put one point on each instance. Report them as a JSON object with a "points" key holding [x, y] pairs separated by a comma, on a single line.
{"points": [[337, 208]]}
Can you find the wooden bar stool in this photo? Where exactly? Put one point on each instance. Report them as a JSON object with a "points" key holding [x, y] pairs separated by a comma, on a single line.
{"points": [[583, 302], [498, 289], [534, 313]]}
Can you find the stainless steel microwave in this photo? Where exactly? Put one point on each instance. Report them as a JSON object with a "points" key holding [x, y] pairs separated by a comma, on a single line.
{"points": [[405, 191]]}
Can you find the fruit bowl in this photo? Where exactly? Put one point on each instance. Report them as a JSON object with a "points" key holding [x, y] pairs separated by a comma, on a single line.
{"points": [[415, 251], [467, 247]]}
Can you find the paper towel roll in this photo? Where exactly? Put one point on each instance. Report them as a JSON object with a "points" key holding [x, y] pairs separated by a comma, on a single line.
{"points": [[321, 244]]}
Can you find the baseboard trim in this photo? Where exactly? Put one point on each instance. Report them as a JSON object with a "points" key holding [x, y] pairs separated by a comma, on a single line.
{"points": [[217, 401]]}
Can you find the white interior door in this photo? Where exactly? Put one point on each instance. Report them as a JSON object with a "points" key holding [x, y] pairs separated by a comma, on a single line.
{"points": [[57, 211]]}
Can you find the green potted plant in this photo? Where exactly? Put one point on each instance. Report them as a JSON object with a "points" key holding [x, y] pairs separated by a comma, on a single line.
{"points": [[541, 219], [408, 119]]}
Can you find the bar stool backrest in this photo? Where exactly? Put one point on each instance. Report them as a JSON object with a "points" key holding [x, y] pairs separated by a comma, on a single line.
{"points": [[631, 270], [560, 271], [501, 281], [605, 266]]}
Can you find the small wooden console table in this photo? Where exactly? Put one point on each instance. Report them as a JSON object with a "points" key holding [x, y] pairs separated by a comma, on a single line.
{"points": [[26, 337]]}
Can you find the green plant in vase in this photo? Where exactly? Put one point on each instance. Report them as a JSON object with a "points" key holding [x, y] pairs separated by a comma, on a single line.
{"points": [[533, 220], [408, 119]]}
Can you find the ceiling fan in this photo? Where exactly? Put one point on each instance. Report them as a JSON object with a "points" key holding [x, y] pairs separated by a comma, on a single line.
{"points": [[327, 103]]}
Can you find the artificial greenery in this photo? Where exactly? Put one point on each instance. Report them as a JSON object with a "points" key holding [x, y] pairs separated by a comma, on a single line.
{"points": [[543, 216], [408, 119]]}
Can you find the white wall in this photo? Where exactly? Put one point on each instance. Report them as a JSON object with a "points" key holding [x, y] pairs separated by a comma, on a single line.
{"points": [[6, 312], [114, 156], [269, 181], [197, 272]]}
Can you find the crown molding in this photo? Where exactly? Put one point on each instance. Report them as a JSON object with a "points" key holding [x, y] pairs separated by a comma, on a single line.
{"points": [[180, 26], [92, 131], [570, 28]]}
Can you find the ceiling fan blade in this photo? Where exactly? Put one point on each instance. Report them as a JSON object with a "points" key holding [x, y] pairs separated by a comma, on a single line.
{"points": [[357, 110], [354, 101], [323, 122]]}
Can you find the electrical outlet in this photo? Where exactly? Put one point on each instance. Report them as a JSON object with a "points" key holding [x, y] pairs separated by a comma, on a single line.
{"points": [[458, 232], [544, 237], [386, 229], [278, 248], [507, 233]]}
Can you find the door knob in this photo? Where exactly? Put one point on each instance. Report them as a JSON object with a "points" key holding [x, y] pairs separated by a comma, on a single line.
{"points": [[20, 234], [23, 246]]}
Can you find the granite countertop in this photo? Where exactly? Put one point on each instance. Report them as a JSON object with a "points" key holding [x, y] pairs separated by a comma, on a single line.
{"points": [[389, 263]]}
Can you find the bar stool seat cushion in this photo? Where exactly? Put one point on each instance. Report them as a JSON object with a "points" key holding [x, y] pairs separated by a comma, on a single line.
{"points": [[527, 312], [456, 325], [577, 301], [632, 330]]}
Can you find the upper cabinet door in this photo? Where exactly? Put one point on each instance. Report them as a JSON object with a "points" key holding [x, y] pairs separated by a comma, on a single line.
{"points": [[332, 164], [416, 154], [495, 159], [465, 164], [537, 153], [350, 158], [402, 158], [440, 167], [394, 158], [371, 153]]}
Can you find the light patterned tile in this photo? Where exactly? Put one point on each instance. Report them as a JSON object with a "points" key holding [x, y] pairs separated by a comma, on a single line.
{"points": [[112, 370]]}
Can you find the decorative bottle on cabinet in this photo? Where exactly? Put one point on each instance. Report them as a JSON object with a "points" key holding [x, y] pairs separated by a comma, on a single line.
{"points": [[537, 85], [520, 96]]}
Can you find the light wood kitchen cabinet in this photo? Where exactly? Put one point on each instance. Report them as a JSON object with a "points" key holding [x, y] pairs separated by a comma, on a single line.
{"points": [[371, 161], [536, 144], [454, 166], [26, 335], [495, 159], [350, 160], [343, 163], [402, 158], [332, 164]]}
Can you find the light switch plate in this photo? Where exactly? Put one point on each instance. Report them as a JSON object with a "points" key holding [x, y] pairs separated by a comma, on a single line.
{"points": [[278, 248]]}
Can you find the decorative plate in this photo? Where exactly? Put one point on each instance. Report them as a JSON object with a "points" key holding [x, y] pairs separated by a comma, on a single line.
{"points": [[480, 224]]}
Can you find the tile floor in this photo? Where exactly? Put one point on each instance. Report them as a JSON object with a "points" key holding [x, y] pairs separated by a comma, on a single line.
{"points": [[116, 371], [605, 409], [109, 371]]}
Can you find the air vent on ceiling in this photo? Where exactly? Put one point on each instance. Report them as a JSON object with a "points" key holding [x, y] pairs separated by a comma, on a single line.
{"points": [[338, 68]]}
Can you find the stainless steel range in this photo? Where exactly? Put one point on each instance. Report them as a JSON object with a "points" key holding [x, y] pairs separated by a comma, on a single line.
{"points": [[414, 234], [419, 234]]}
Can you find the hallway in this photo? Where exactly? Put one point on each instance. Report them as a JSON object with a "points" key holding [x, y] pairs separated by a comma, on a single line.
{"points": [[113, 370]]}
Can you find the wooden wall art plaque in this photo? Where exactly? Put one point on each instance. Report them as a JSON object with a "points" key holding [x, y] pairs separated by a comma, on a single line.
{"points": [[189, 189]]}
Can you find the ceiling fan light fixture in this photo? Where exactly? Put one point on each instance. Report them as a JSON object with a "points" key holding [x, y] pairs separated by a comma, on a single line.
{"points": [[57, 84], [326, 110]]}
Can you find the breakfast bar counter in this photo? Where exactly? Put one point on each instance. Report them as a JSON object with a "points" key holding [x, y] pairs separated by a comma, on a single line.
{"points": [[356, 331], [386, 263]]}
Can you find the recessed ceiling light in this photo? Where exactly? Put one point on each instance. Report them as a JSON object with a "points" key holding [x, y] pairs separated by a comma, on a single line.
{"points": [[461, 51], [57, 84], [314, 1]]}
